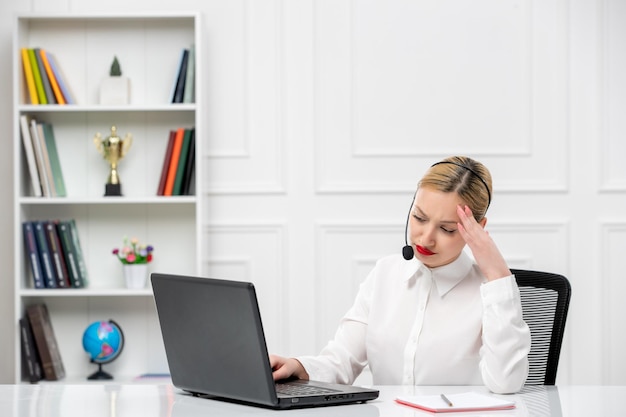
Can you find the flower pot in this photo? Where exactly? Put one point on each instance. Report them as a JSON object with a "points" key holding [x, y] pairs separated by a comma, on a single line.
{"points": [[136, 275], [115, 90]]}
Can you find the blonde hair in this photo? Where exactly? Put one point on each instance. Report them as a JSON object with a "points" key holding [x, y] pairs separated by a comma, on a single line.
{"points": [[470, 179]]}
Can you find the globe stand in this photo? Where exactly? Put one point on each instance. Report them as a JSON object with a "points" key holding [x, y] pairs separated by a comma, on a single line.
{"points": [[99, 374], [104, 342]]}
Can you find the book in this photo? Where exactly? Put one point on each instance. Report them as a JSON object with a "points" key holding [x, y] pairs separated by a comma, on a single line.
{"points": [[182, 163], [56, 254], [467, 401], [30, 357], [69, 253], [32, 253], [47, 88], [47, 266], [39, 157], [30, 156], [45, 340], [61, 80], [171, 173], [58, 95], [189, 91], [53, 157], [166, 162], [28, 76], [46, 159], [41, 94], [82, 266], [191, 163], [179, 90]]}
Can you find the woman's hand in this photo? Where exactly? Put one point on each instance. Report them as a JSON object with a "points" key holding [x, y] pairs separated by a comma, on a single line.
{"points": [[284, 368], [484, 249]]}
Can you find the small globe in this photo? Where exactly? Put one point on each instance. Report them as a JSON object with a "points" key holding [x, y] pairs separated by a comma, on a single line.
{"points": [[103, 341]]}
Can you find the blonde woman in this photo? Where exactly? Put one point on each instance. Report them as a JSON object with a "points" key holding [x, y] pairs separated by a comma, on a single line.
{"points": [[434, 316]]}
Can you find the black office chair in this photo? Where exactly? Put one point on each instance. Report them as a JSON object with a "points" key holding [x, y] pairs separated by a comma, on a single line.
{"points": [[545, 302]]}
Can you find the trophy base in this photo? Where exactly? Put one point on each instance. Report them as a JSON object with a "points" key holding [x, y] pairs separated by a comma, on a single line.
{"points": [[112, 190]]}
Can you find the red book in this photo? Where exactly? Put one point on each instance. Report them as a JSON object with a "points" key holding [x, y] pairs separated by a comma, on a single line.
{"points": [[166, 162], [171, 173]]}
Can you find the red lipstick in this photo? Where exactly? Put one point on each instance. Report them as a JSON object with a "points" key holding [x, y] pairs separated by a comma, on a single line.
{"points": [[422, 250]]}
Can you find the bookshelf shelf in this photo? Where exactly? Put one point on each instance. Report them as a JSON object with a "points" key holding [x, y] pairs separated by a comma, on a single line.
{"points": [[74, 108], [87, 292], [84, 46], [157, 200]]}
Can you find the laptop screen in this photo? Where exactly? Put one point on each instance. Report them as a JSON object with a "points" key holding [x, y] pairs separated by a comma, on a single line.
{"points": [[214, 337]]}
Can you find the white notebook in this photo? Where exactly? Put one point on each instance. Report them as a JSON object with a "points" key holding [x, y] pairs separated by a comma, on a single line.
{"points": [[467, 401]]}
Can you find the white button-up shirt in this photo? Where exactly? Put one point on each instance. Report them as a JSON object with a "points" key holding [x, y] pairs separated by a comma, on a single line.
{"points": [[420, 326]]}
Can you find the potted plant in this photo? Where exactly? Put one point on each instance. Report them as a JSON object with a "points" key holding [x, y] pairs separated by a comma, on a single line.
{"points": [[115, 89], [135, 258]]}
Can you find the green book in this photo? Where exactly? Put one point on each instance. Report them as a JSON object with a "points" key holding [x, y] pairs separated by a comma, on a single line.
{"points": [[69, 253], [41, 94], [82, 266], [182, 162], [45, 81], [55, 163]]}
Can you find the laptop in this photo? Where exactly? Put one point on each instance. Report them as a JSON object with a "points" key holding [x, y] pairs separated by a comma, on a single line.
{"points": [[215, 346]]}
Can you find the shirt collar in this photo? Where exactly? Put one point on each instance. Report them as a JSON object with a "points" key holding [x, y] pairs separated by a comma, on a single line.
{"points": [[445, 277]]}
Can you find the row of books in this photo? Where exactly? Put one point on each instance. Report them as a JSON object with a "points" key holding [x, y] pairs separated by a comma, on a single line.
{"points": [[178, 168], [183, 88], [45, 81], [42, 158], [41, 358], [54, 253]]}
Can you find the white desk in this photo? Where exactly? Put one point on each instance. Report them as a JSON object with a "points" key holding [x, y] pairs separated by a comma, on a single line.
{"points": [[144, 400]]}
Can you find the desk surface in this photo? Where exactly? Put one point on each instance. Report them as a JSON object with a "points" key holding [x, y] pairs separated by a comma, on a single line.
{"points": [[144, 400]]}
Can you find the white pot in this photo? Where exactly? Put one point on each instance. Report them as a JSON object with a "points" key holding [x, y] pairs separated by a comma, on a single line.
{"points": [[115, 90], [136, 275]]}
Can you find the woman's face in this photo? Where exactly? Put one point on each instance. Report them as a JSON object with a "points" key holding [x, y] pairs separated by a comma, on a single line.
{"points": [[433, 229]]}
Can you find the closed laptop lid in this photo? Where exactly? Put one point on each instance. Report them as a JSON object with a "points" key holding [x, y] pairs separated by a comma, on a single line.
{"points": [[207, 326]]}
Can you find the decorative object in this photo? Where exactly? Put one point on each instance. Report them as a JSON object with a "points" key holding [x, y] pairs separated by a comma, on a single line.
{"points": [[113, 149], [132, 252], [135, 259], [115, 89], [103, 341], [135, 276]]}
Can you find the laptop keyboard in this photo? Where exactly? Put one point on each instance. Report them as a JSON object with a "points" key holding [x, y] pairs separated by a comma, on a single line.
{"points": [[301, 389]]}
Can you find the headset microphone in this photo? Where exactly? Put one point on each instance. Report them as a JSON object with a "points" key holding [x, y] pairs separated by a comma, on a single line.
{"points": [[407, 250]]}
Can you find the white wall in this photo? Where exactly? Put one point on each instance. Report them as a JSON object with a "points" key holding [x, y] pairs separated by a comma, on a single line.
{"points": [[322, 115]]}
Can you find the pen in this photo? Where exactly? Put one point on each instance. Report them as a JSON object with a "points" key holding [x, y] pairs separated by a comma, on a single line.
{"points": [[443, 397]]}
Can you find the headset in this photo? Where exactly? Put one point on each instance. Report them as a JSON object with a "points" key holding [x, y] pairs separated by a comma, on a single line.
{"points": [[407, 250]]}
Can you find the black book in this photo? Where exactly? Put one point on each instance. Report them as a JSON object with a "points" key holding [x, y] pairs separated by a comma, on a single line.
{"points": [[32, 253], [47, 264], [31, 364], [189, 166], [179, 91]]}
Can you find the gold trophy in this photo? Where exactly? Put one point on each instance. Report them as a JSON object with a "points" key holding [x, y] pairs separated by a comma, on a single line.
{"points": [[113, 149]]}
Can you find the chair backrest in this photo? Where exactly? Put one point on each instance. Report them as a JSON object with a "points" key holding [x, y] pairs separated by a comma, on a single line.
{"points": [[545, 302]]}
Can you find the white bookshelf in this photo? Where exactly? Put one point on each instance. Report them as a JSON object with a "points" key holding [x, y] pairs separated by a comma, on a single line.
{"points": [[148, 47]]}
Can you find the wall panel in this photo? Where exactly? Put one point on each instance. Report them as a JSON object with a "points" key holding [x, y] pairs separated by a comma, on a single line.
{"points": [[392, 97]]}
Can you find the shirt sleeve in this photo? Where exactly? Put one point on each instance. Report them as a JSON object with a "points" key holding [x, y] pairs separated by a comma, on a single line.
{"points": [[506, 337], [343, 358]]}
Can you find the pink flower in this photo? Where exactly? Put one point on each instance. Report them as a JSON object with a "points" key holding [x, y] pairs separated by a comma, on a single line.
{"points": [[132, 252]]}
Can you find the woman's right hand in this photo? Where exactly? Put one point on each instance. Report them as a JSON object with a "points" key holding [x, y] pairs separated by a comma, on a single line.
{"points": [[284, 368]]}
